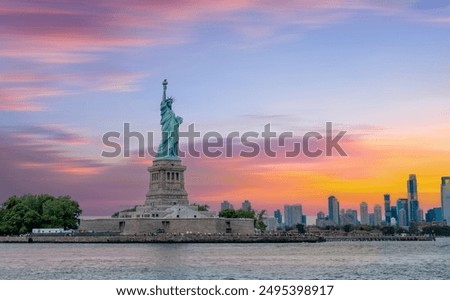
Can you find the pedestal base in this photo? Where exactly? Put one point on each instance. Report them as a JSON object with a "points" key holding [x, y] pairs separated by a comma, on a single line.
{"points": [[166, 184]]}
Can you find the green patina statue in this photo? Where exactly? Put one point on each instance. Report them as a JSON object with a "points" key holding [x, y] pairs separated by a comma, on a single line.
{"points": [[168, 148]]}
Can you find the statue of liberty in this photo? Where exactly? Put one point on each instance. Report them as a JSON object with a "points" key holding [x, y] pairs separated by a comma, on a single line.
{"points": [[168, 148]]}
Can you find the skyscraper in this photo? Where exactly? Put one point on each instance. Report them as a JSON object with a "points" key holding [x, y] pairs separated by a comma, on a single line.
{"points": [[420, 215], [372, 219], [412, 187], [387, 209], [333, 210], [364, 210], [320, 215], [402, 203], [434, 215], [402, 217], [226, 205], [413, 199], [414, 211], [293, 214], [278, 216], [445, 199], [320, 221], [377, 218], [394, 213], [349, 217], [246, 205], [354, 214]]}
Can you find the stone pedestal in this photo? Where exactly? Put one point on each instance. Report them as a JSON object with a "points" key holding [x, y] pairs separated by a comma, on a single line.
{"points": [[166, 187]]}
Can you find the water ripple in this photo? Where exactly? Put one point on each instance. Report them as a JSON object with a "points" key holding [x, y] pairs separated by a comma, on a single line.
{"points": [[332, 260]]}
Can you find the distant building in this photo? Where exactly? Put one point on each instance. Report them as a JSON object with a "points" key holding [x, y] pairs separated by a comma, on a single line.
{"points": [[349, 217], [353, 213], [321, 215], [402, 203], [420, 215], [226, 205], [372, 219], [333, 210], [364, 211], [412, 187], [411, 184], [377, 215], [402, 217], [278, 216], [320, 221], [434, 215], [271, 223], [445, 198], [51, 231], [293, 215], [394, 214], [387, 208], [246, 205], [393, 221], [414, 211]]}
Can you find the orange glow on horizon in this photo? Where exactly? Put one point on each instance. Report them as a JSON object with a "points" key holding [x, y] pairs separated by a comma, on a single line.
{"points": [[366, 176]]}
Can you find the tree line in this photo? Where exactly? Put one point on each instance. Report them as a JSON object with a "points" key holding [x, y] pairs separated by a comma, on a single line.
{"points": [[19, 215], [246, 214]]}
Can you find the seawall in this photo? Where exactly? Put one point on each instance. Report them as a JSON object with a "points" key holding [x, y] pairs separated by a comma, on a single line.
{"points": [[379, 238], [202, 238], [163, 238]]}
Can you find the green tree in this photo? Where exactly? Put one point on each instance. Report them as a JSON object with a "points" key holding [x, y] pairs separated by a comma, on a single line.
{"points": [[300, 228], [348, 227], [202, 207], [413, 228], [400, 230], [259, 223], [388, 230], [245, 214], [437, 230], [231, 213], [227, 213], [60, 212], [21, 214]]}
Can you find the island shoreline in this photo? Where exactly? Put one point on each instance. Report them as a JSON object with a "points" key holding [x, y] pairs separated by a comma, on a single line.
{"points": [[200, 239]]}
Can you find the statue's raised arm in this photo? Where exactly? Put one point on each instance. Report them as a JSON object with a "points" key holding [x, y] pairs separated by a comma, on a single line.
{"points": [[168, 148]]}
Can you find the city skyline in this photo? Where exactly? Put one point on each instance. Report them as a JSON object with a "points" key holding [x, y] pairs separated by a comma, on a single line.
{"points": [[379, 215], [399, 215], [376, 70]]}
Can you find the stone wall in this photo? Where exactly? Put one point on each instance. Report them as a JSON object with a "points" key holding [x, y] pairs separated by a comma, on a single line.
{"points": [[152, 225], [165, 238], [100, 225]]}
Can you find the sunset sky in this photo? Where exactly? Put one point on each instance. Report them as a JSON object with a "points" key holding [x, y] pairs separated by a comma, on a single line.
{"points": [[73, 70]]}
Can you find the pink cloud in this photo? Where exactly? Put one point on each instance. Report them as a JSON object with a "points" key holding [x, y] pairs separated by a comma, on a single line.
{"points": [[59, 32], [73, 33], [24, 98], [52, 33], [23, 90], [49, 135], [119, 82]]}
